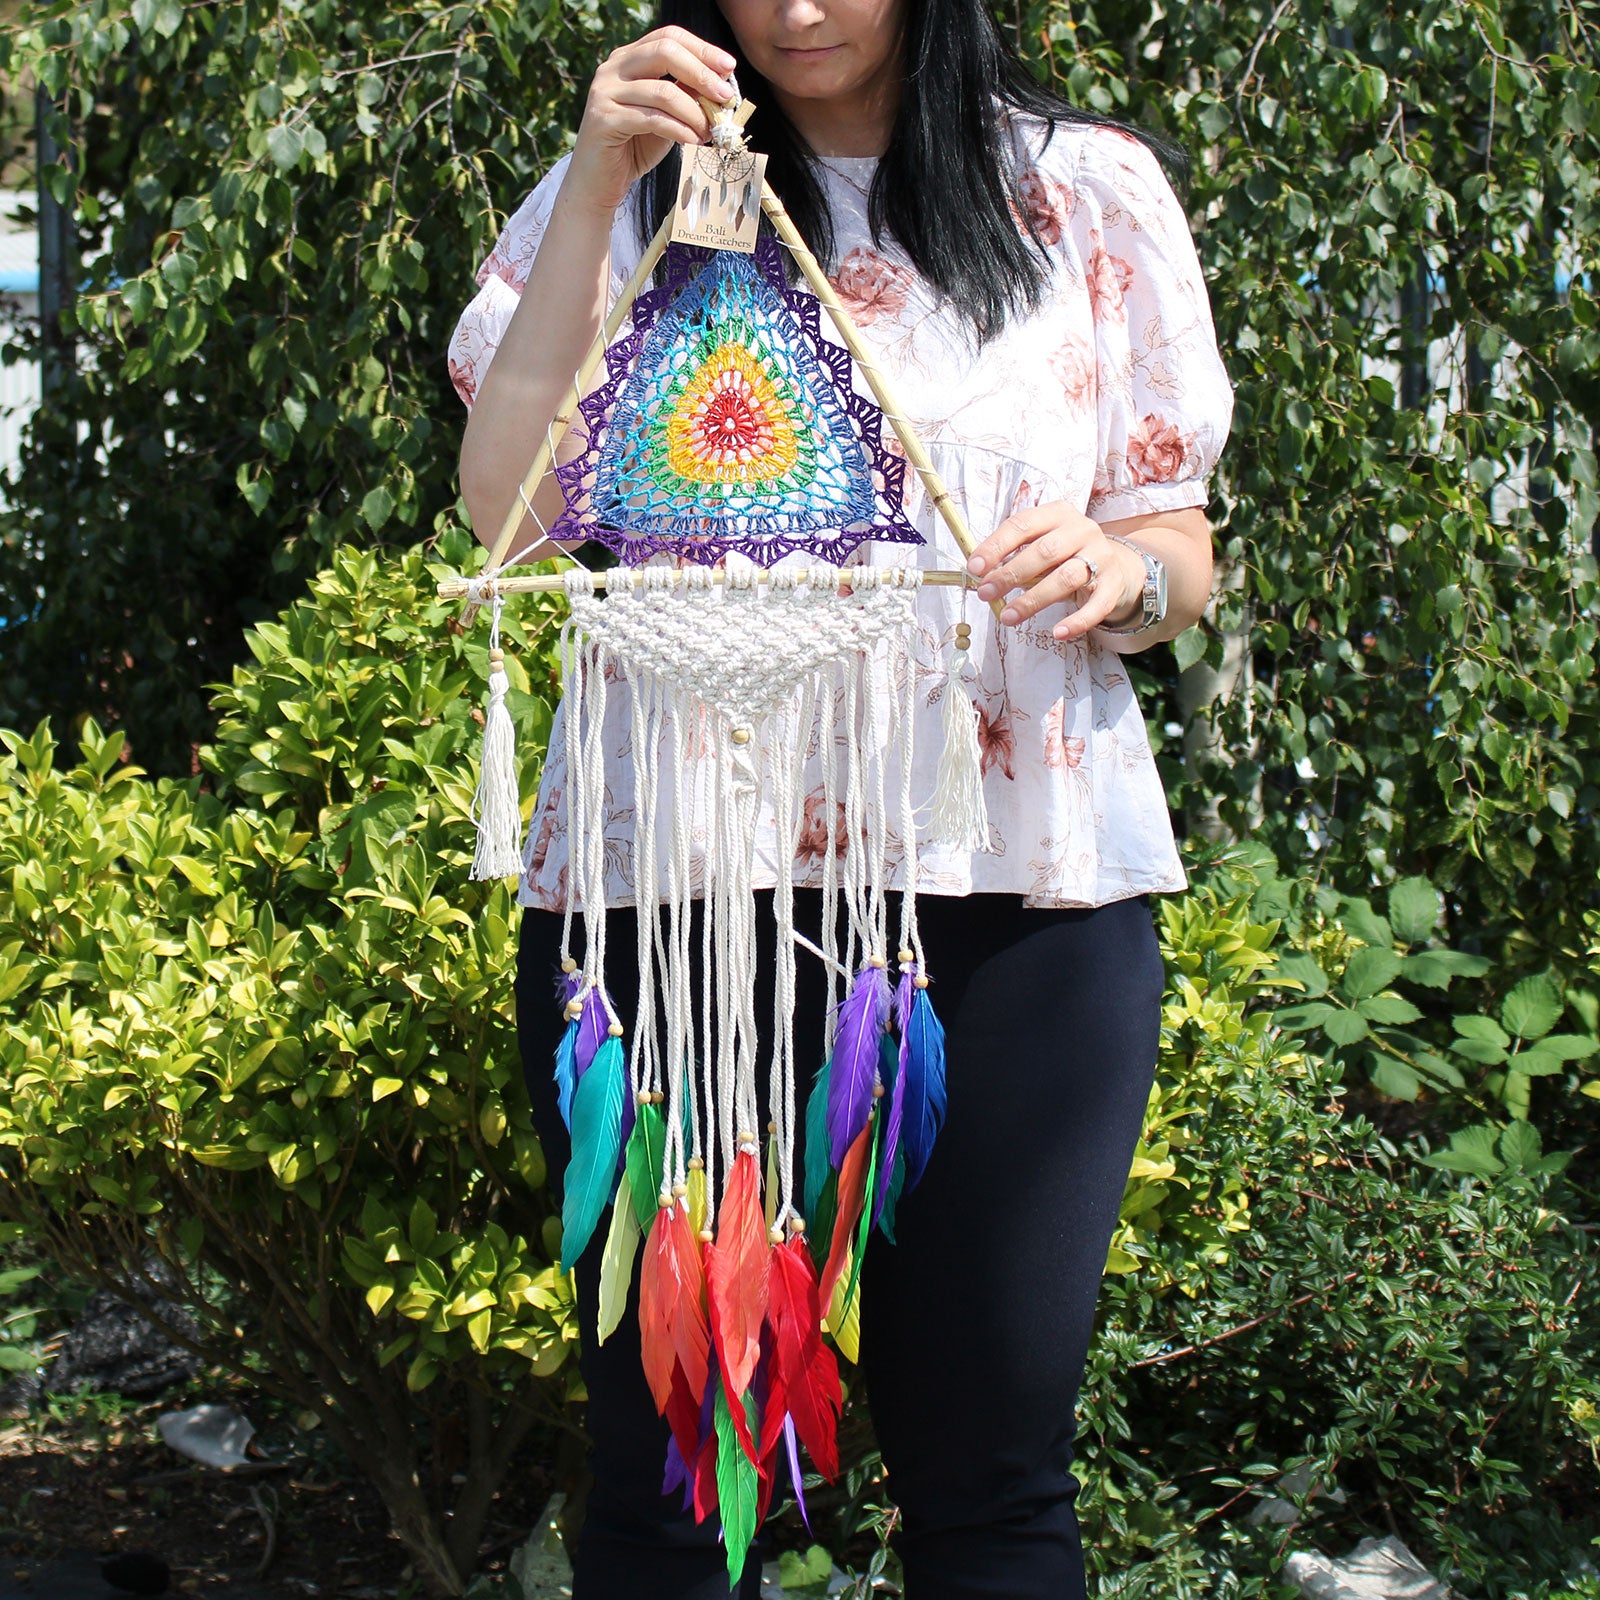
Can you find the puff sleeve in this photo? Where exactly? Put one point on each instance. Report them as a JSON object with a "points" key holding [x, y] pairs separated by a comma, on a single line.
{"points": [[482, 325], [1163, 399]]}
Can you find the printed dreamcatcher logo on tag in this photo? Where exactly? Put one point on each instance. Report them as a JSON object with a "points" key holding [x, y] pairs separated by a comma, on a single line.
{"points": [[719, 197]]}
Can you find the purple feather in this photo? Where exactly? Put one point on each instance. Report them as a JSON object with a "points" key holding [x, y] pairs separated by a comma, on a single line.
{"points": [[795, 1474], [862, 1018], [925, 1086], [677, 1473], [567, 986], [592, 1026], [905, 999]]}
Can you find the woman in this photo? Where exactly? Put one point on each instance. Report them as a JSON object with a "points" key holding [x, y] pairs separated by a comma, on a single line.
{"points": [[1027, 280]]}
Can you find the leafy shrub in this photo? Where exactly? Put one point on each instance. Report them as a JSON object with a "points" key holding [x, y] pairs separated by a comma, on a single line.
{"points": [[263, 1026], [1424, 1340], [272, 1038]]}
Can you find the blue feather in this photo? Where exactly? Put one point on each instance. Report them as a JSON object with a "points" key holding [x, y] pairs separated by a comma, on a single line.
{"points": [[567, 1071], [925, 1087], [596, 1138]]}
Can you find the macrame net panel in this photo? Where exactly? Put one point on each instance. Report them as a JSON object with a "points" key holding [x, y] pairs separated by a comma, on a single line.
{"points": [[729, 423], [740, 649]]}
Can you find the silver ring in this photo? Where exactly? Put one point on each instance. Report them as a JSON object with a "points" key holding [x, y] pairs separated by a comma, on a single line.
{"points": [[1094, 570]]}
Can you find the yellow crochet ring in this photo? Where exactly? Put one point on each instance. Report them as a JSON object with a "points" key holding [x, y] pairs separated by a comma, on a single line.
{"points": [[731, 424]]}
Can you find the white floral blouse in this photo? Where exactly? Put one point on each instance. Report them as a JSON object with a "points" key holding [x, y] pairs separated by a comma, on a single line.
{"points": [[1111, 396]]}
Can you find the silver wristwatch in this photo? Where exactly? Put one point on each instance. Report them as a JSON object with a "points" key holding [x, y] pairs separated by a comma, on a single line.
{"points": [[1153, 597]]}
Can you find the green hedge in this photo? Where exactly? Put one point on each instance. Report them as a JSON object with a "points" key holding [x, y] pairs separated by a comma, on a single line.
{"points": [[260, 1021]]}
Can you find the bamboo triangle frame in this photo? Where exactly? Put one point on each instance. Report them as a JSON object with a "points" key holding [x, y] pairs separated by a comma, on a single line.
{"points": [[489, 583]]}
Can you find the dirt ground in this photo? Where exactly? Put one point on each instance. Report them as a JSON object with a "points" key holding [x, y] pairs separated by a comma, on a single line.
{"points": [[84, 1480]]}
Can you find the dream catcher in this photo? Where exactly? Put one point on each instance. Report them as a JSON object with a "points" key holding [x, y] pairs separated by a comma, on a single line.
{"points": [[726, 422]]}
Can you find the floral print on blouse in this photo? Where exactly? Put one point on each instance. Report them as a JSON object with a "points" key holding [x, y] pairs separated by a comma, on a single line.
{"points": [[1111, 396]]}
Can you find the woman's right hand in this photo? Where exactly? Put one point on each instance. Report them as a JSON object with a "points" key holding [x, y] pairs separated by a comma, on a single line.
{"points": [[641, 103]]}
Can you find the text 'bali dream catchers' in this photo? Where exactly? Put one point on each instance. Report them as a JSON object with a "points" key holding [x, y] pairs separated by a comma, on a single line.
{"points": [[728, 425]]}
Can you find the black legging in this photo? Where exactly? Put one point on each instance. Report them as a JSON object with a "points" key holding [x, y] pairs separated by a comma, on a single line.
{"points": [[976, 1325]]}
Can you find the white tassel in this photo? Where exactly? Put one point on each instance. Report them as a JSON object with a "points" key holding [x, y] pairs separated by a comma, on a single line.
{"points": [[498, 805], [960, 817]]}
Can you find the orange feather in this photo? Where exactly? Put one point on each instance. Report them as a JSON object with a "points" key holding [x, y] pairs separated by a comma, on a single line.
{"points": [[658, 1286], [689, 1332], [852, 1193]]}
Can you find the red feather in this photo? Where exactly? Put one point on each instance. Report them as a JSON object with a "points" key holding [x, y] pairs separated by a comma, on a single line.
{"points": [[672, 1315], [766, 1476], [852, 1193], [705, 1478], [804, 1369], [683, 1415], [736, 1280]]}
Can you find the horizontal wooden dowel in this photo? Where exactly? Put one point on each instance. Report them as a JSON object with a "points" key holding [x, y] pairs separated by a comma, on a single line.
{"points": [[555, 582]]}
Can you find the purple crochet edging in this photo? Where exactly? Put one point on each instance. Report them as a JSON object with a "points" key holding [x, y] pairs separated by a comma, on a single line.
{"points": [[680, 266]]}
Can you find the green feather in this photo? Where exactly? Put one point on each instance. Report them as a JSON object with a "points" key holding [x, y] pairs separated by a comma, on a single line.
{"points": [[891, 1199], [737, 1484], [819, 1225], [647, 1154], [817, 1139], [864, 1227], [596, 1143]]}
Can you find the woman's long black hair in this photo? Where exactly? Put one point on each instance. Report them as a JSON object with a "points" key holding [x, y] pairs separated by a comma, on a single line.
{"points": [[946, 189]]}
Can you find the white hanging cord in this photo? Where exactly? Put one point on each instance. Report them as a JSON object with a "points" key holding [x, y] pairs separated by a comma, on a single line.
{"points": [[910, 937], [497, 805], [960, 818], [570, 715]]}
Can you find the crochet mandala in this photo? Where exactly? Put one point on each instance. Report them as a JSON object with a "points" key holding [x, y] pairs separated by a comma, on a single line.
{"points": [[728, 422]]}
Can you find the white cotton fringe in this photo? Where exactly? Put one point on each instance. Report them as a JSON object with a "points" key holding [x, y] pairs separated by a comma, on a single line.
{"points": [[498, 805], [733, 688], [960, 818]]}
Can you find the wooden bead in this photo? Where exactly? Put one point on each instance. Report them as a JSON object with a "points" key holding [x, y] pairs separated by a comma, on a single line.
{"points": [[569, 965], [963, 630], [920, 981], [905, 956], [878, 1091], [696, 1164], [745, 1138], [797, 1224], [496, 660], [706, 1236], [877, 961], [615, 1030], [772, 1128], [680, 1189], [574, 1008], [741, 736], [775, 1236]]}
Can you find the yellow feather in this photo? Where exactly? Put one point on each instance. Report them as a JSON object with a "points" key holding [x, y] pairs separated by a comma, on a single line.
{"points": [[844, 1321], [772, 1181], [697, 1199], [616, 1264]]}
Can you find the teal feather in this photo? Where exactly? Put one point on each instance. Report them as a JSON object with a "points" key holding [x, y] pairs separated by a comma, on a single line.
{"points": [[817, 1164], [596, 1143]]}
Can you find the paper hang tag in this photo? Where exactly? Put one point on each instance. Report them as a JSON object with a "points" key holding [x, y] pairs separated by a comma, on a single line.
{"points": [[719, 197]]}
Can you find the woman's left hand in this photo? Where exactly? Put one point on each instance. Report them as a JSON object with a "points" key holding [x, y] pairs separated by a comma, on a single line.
{"points": [[1054, 553]]}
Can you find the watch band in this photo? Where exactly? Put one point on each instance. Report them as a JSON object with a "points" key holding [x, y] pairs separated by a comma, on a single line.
{"points": [[1152, 597]]}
